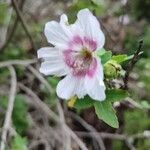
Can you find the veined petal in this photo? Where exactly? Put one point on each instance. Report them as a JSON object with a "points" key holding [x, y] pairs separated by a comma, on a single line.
{"points": [[53, 61], [80, 90], [94, 85], [66, 87], [64, 20], [70, 86], [91, 27], [55, 34], [48, 52], [95, 88], [73, 30], [52, 67], [99, 71]]}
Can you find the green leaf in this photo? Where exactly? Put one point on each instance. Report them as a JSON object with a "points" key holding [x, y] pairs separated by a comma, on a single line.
{"points": [[84, 103], [19, 143], [114, 95], [120, 58], [106, 112], [104, 55]]}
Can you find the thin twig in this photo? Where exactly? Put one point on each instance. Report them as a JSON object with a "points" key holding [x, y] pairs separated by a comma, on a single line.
{"points": [[13, 29], [24, 25], [60, 110], [91, 129], [129, 139], [7, 121], [63, 124], [41, 78], [17, 62], [131, 64], [4, 29], [43, 107]]}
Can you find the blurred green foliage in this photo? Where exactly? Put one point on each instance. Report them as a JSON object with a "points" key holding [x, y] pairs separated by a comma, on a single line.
{"points": [[143, 70], [140, 9], [136, 121], [19, 119], [19, 115], [131, 43], [19, 48], [96, 6], [4, 17], [19, 143]]}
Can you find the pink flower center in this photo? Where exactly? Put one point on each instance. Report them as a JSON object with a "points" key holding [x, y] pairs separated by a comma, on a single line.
{"points": [[79, 56]]}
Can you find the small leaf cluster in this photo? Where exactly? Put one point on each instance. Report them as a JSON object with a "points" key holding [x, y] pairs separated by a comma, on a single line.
{"points": [[104, 109]]}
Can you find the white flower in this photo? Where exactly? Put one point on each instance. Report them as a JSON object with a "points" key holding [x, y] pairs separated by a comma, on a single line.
{"points": [[73, 56]]}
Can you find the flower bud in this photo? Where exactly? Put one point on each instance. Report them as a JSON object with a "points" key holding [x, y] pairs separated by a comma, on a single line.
{"points": [[112, 69]]}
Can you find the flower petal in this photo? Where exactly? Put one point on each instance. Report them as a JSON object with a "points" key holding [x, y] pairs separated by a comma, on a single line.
{"points": [[48, 52], [95, 89], [53, 61], [66, 87], [91, 27], [70, 86], [64, 20], [94, 85], [52, 67], [80, 90], [73, 30], [55, 34]]}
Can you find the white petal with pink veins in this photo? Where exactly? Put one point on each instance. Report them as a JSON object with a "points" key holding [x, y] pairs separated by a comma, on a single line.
{"points": [[52, 67], [66, 87], [70, 86], [72, 30], [91, 27], [94, 85], [48, 52], [53, 63], [55, 34], [95, 88]]}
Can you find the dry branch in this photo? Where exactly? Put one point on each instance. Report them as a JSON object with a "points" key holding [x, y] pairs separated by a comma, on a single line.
{"points": [[17, 62], [43, 107], [131, 64], [7, 122], [23, 22], [91, 129]]}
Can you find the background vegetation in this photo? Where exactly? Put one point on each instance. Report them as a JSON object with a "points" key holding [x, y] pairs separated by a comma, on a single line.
{"points": [[42, 122]]}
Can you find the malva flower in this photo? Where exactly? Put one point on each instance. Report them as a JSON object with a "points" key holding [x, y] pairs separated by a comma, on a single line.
{"points": [[74, 56]]}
